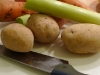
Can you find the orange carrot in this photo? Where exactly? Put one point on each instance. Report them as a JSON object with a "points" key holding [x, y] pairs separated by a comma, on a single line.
{"points": [[76, 3], [10, 10], [60, 21], [20, 0]]}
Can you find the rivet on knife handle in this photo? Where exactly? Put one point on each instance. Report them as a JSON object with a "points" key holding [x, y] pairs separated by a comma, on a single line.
{"points": [[65, 69]]}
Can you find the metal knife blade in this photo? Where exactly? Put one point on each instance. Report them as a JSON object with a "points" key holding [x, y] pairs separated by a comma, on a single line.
{"points": [[49, 64]]}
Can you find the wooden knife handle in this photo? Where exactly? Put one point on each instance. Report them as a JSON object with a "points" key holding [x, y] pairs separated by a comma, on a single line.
{"points": [[65, 69]]}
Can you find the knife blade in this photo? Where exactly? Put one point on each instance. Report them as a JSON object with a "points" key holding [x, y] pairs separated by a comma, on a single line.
{"points": [[49, 64]]}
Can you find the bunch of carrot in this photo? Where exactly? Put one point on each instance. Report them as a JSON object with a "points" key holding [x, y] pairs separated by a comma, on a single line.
{"points": [[10, 10]]}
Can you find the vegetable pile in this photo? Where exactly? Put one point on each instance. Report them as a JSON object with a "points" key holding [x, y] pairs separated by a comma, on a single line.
{"points": [[42, 20], [64, 10]]}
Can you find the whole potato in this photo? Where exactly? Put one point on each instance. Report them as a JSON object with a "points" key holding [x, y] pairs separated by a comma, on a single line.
{"points": [[17, 37], [44, 28], [82, 38]]}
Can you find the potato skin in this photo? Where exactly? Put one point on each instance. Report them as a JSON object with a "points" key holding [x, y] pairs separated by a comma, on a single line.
{"points": [[17, 37], [82, 38], [44, 28]]}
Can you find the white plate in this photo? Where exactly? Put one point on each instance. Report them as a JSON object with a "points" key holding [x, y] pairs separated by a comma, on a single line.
{"points": [[84, 63]]}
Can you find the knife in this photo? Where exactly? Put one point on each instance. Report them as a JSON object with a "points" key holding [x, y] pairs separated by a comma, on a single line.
{"points": [[49, 64]]}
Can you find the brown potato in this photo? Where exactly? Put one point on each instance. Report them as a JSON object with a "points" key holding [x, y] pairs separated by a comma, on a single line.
{"points": [[82, 38], [44, 28], [17, 37]]}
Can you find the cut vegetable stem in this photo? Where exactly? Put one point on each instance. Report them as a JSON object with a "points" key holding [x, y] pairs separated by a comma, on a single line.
{"points": [[63, 10], [23, 19]]}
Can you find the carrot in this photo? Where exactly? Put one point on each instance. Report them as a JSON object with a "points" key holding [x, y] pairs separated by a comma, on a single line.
{"points": [[60, 21], [76, 3], [10, 10], [20, 0]]}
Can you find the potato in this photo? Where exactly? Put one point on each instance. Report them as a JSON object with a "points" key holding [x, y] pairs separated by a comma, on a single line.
{"points": [[17, 37], [44, 28], [82, 38]]}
